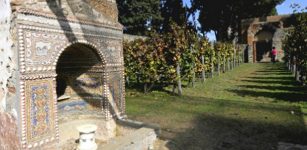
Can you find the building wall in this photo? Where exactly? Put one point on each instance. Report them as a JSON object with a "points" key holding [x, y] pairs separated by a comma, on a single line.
{"points": [[277, 42], [5, 51], [106, 7], [8, 129], [43, 36], [250, 28], [29, 47]]}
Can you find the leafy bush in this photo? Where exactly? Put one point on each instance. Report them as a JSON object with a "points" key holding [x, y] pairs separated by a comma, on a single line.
{"points": [[167, 59]]}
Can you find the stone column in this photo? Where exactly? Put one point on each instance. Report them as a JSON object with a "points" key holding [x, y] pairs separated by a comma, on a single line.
{"points": [[277, 42], [250, 43]]}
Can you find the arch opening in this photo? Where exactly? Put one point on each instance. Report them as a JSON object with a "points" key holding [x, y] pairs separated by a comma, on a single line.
{"points": [[79, 85], [263, 40], [80, 89]]}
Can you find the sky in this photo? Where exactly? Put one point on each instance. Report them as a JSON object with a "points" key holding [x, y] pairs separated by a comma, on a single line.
{"points": [[282, 9]]}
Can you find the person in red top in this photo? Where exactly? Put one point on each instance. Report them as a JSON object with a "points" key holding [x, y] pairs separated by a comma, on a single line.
{"points": [[274, 54]]}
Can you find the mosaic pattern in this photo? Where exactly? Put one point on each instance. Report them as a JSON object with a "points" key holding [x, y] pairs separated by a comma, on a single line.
{"points": [[86, 92], [88, 85], [40, 56], [39, 49], [116, 90], [39, 108], [113, 50]]}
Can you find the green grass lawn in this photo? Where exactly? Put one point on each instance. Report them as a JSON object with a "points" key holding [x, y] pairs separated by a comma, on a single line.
{"points": [[253, 107]]}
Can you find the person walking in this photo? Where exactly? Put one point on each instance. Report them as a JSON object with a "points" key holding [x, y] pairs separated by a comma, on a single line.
{"points": [[274, 54]]}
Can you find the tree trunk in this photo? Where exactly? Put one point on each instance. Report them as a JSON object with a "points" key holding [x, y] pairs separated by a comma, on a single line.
{"points": [[242, 59], [212, 69], [243, 56], [150, 87], [179, 80], [234, 61], [203, 72], [193, 76], [174, 87], [145, 88], [193, 79], [304, 79], [294, 66], [228, 64], [224, 65], [127, 81], [289, 65], [138, 79], [218, 66], [294, 69], [297, 74]]}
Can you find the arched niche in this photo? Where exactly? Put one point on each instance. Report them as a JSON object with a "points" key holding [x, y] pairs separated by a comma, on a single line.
{"points": [[80, 80], [80, 90], [45, 54]]}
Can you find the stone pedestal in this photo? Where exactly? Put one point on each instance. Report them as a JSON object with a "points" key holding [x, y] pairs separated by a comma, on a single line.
{"points": [[87, 137]]}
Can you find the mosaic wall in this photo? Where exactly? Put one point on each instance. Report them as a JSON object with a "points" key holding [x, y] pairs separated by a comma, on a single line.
{"points": [[39, 109], [34, 39], [106, 7], [116, 87], [39, 51], [85, 91], [43, 47]]}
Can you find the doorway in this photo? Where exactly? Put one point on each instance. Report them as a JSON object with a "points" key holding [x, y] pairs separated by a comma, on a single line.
{"points": [[263, 49]]}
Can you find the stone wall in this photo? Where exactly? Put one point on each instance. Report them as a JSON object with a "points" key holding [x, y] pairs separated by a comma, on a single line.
{"points": [[129, 38], [5, 51], [8, 129], [106, 7], [277, 42], [277, 26], [8, 133]]}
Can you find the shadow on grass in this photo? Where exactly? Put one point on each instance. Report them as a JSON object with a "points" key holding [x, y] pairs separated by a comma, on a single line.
{"points": [[271, 78], [273, 71], [199, 123], [236, 104], [270, 82], [266, 73], [221, 133], [277, 83], [228, 130], [273, 88], [283, 96]]}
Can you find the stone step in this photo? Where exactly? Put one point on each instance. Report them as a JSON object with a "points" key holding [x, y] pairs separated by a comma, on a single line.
{"points": [[141, 139]]}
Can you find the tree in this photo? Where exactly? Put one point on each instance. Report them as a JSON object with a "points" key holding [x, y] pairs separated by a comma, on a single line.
{"points": [[173, 11], [295, 45], [224, 16], [139, 16]]}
